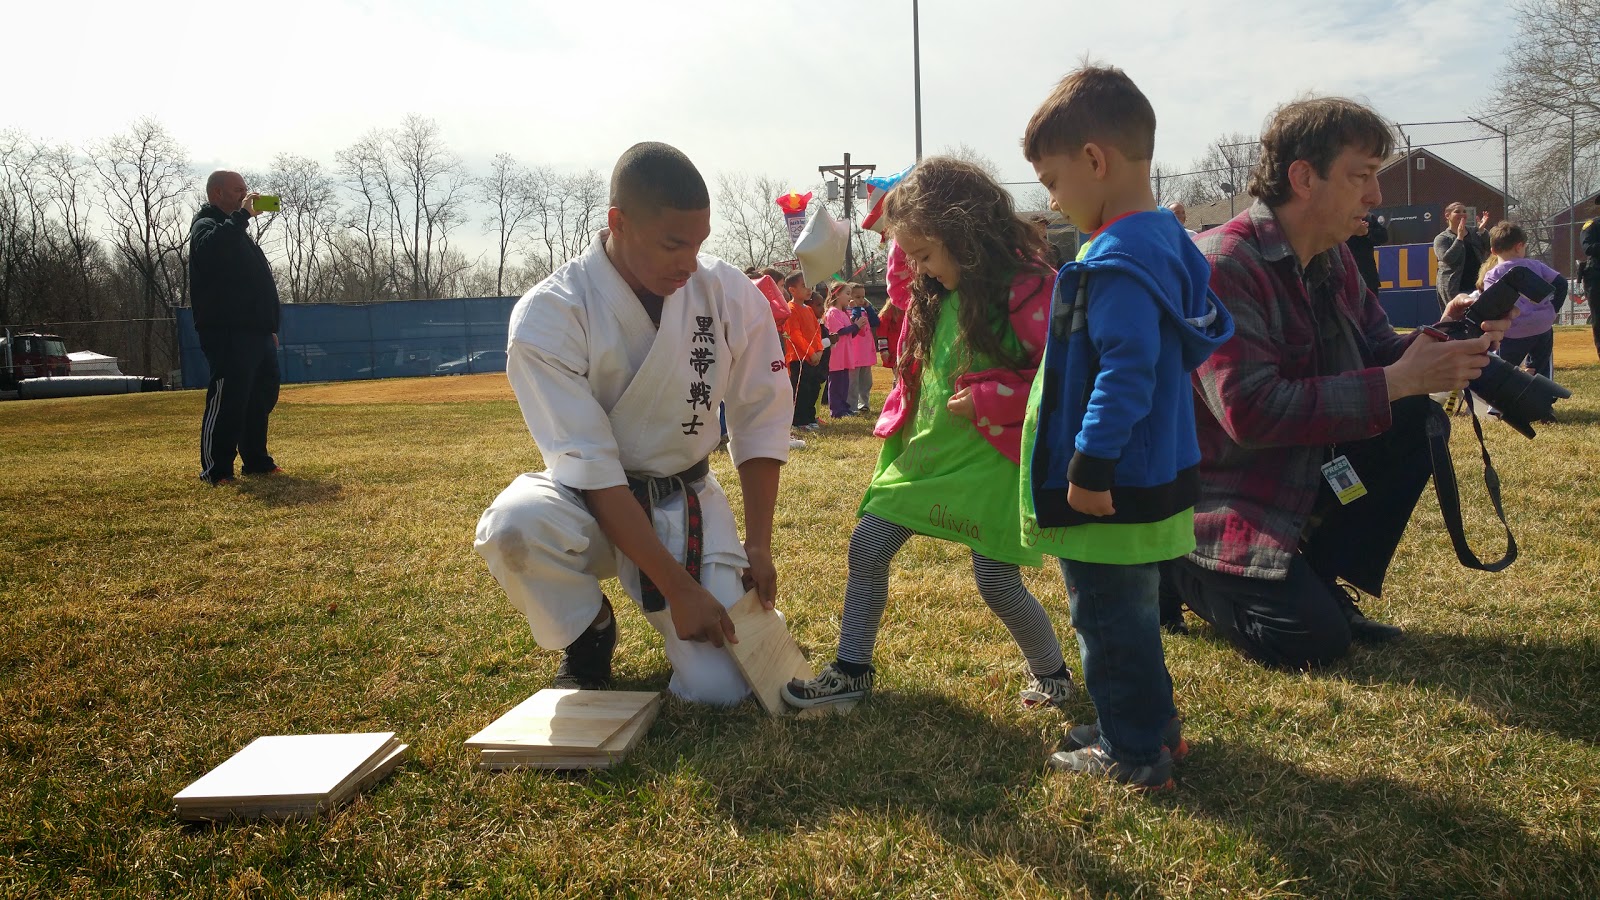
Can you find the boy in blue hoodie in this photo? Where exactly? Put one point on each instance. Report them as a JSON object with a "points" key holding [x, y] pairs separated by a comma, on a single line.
{"points": [[1112, 474]]}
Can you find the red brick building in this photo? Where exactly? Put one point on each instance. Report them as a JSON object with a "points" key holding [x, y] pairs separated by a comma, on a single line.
{"points": [[1424, 177], [1433, 180]]}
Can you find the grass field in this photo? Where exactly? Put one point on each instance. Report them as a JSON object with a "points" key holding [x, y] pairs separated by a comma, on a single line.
{"points": [[152, 626]]}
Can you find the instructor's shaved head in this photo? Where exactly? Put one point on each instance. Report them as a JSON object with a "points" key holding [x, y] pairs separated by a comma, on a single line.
{"points": [[653, 176]]}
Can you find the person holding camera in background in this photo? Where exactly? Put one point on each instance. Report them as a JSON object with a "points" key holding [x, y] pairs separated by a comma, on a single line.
{"points": [[1370, 234], [235, 302], [1461, 250], [1315, 389]]}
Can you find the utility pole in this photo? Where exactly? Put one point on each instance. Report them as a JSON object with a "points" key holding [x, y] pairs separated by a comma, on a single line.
{"points": [[1409, 164], [1572, 207], [1505, 166], [916, 73], [848, 172]]}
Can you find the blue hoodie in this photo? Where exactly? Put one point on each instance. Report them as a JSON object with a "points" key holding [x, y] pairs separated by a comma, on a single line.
{"points": [[1117, 408]]}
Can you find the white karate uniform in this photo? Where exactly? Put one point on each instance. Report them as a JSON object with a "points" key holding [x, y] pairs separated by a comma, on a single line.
{"points": [[607, 395]]}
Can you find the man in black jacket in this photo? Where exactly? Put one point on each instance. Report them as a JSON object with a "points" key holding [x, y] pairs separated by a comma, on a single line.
{"points": [[1591, 275], [235, 304]]}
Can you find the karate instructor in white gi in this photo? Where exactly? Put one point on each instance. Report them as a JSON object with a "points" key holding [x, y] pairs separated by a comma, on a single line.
{"points": [[619, 361]]}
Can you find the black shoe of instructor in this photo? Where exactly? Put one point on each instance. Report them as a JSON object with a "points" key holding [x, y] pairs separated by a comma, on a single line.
{"points": [[586, 662]]}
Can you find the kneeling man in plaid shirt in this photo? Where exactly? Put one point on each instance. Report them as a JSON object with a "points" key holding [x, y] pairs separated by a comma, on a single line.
{"points": [[1315, 389]]}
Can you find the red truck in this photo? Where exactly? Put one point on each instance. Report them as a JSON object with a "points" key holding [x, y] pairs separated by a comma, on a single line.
{"points": [[31, 356]]}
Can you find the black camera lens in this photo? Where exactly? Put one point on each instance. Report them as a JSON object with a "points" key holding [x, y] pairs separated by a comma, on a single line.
{"points": [[1522, 398]]}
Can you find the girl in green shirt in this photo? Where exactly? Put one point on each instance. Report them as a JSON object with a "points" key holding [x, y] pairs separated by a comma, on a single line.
{"points": [[973, 335]]}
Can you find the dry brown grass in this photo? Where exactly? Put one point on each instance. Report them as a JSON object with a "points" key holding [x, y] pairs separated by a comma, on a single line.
{"points": [[1574, 347], [153, 626]]}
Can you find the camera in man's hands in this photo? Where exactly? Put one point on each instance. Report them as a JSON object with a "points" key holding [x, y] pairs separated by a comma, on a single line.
{"points": [[1521, 397]]}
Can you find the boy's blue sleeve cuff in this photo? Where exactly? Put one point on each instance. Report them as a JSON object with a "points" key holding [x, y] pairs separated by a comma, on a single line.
{"points": [[1091, 472]]}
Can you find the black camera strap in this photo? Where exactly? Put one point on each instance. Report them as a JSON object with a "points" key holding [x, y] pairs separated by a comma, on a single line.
{"points": [[1444, 485]]}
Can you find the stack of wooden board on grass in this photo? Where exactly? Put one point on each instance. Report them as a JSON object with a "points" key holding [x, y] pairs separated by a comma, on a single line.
{"points": [[562, 729], [291, 776]]}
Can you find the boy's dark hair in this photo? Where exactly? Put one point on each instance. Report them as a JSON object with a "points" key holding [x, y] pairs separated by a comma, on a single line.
{"points": [[1316, 130], [1095, 104], [794, 278], [1506, 235], [653, 176]]}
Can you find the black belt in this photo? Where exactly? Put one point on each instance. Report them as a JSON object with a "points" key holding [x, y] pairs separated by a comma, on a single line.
{"points": [[668, 485], [651, 491]]}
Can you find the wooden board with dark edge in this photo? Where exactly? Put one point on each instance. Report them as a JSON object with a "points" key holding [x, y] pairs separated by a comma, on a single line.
{"points": [[766, 654]]}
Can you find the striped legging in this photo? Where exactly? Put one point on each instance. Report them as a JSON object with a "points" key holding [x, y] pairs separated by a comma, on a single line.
{"points": [[873, 546]]}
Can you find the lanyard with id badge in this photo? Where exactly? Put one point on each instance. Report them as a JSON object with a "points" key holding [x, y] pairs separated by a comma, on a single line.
{"points": [[1343, 479]]}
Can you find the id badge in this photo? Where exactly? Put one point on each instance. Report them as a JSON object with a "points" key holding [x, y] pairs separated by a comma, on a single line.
{"points": [[1343, 479]]}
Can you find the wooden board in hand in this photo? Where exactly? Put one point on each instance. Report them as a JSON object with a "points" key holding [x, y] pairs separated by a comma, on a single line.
{"points": [[766, 655], [562, 718]]}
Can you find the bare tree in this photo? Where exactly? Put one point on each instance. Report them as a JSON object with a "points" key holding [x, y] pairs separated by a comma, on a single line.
{"points": [[1166, 182], [22, 207], [751, 229], [70, 191], [366, 249], [308, 218], [1032, 199], [425, 200], [1229, 159], [146, 185], [568, 212], [409, 195], [1548, 96], [967, 153], [512, 194]]}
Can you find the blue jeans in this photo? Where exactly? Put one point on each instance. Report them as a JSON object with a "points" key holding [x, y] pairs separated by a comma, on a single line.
{"points": [[1540, 348], [1116, 611]]}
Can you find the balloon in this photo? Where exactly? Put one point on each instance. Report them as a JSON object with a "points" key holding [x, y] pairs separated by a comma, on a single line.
{"points": [[821, 245]]}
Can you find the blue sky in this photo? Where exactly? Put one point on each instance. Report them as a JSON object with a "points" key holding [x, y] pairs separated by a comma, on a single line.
{"points": [[759, 87]]}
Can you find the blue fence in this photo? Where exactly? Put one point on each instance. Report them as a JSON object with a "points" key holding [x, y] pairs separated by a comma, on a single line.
{"points": [[337, 342]]}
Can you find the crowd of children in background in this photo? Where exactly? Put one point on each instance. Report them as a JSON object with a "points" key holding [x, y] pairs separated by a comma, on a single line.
{"points": [[833, 343]]}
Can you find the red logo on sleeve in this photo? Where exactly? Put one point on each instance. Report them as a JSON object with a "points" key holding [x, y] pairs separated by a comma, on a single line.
{"points": [[777, 366]]}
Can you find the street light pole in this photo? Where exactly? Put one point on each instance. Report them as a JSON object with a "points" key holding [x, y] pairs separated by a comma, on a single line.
{"points": [[1407, 159], [916, 73]]}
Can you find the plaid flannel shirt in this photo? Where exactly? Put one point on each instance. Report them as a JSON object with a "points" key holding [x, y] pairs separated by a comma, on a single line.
{"points": [[1302, 373]]}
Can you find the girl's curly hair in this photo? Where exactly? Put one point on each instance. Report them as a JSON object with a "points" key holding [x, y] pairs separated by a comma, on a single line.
{"points": [[960, 206]]}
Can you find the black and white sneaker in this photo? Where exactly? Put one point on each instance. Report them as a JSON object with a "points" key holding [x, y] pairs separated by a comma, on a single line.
{"points": [[586, 663], [831, 685], [1043, 691]]}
